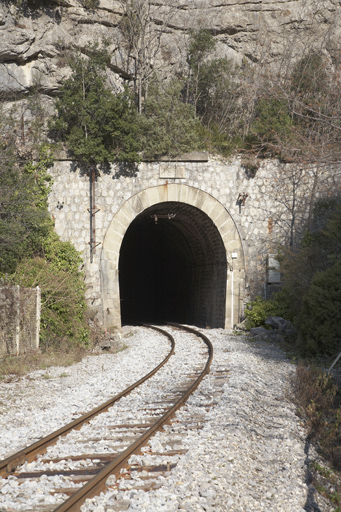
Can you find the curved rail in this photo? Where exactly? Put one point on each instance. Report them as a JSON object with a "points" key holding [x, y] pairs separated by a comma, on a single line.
{"points": [[97, 484], [28, 454]]}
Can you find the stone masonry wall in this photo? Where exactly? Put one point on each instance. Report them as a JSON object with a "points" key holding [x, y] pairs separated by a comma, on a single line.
{"points": [[279, 199], [19, 320], [30, 301], [9, 320]]}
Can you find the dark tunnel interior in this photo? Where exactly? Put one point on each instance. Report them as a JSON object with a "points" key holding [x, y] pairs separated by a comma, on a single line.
{"points": [[172, 267]]}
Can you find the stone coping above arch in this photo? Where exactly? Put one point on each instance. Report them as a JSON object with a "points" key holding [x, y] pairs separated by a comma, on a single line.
{"points": [[160, 194]]}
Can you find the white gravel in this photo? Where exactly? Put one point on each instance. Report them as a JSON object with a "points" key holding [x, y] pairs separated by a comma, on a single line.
{"points": [[47, 399], [248, 455]]}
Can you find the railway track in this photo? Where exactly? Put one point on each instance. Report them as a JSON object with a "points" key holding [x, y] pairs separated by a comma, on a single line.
{"points": [[91, 454]]}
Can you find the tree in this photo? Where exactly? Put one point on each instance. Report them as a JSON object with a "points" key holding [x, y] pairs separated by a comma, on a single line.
{"points": [[320, 317], [314, 102], [311, 296], [296, 118], [168, 126], [31, 254], [141, 27], [24, 186], [215, 92], [95, 124], [305, 123], [200, 46]]}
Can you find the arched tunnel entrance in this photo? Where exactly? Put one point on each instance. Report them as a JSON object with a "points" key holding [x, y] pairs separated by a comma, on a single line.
{"points": [[172, 267]]}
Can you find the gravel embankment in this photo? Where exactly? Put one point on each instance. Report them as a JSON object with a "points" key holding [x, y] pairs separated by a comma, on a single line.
{"points": [[45, 400], [248, 456]]}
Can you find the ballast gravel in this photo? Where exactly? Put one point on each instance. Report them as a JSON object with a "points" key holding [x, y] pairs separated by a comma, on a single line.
{"points": [[247, 454], [45, 400]]}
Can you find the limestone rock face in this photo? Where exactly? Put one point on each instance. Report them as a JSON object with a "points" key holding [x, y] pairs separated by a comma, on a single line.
{"points": [[33, 42]]}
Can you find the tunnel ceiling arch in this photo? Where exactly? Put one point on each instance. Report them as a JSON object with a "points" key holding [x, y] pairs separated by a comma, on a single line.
{"points": [[180, 272], [206, 234]]}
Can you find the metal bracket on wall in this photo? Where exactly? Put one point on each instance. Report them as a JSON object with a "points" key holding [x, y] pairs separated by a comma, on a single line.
{"points": [[94, 244], [241, 200], [92, 211], [169, 216]]}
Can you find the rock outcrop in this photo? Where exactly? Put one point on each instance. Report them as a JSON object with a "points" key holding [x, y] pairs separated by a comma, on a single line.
{"points": [[280, 329], [33, 41]]}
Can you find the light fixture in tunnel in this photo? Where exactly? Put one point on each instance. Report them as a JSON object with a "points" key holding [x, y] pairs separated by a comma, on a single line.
{"points": [[169, 216]]}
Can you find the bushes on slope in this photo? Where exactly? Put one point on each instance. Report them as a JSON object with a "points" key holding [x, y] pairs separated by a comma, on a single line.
{"points": [[320, 317]]}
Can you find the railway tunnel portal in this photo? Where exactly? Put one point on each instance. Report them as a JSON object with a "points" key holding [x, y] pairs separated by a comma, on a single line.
{"points": [[172, 253], [172, 267]]}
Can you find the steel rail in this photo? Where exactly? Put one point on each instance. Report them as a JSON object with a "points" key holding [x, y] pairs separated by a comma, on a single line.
{"points": [[98, 483], [28, 454]]}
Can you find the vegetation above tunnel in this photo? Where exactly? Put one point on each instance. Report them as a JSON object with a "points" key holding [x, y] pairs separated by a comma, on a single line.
{"points": [[210, 104], [288, 108]]}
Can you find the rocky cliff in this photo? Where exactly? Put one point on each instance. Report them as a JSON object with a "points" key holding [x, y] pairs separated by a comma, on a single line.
{"points": [[35, 37]]}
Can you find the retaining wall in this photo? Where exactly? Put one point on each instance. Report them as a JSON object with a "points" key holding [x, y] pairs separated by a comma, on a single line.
{"points": [[19, 320], [278, 199]]}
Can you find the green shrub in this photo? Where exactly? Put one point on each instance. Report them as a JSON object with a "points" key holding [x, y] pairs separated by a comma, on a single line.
{"points": [[90, 4], [24, 219], [96, 125], [309, 74], [216, 141], [272, 122], [62, 295], [167, 126], [320, 318], [62, 255], [310, 298], [258, 310], [297, 270]]}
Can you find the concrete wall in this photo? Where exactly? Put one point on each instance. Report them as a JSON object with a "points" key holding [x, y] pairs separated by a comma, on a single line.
{"points": [[278, 201], [19, 320]]}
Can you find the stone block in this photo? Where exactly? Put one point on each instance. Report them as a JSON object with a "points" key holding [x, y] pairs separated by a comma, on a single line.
{"points": [[228, 230], [183, 193], [173, 192], [136, 204], [111, 246], [262, 334], [172, 171], [273, 273], [281, 324], [126, 214], [208, 205], [118, 229]]}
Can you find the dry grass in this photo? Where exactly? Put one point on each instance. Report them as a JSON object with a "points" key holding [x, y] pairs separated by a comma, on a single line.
{"points": [[14, 367], [327, 483], [319, 400], [318, 397], [65, 354]]}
